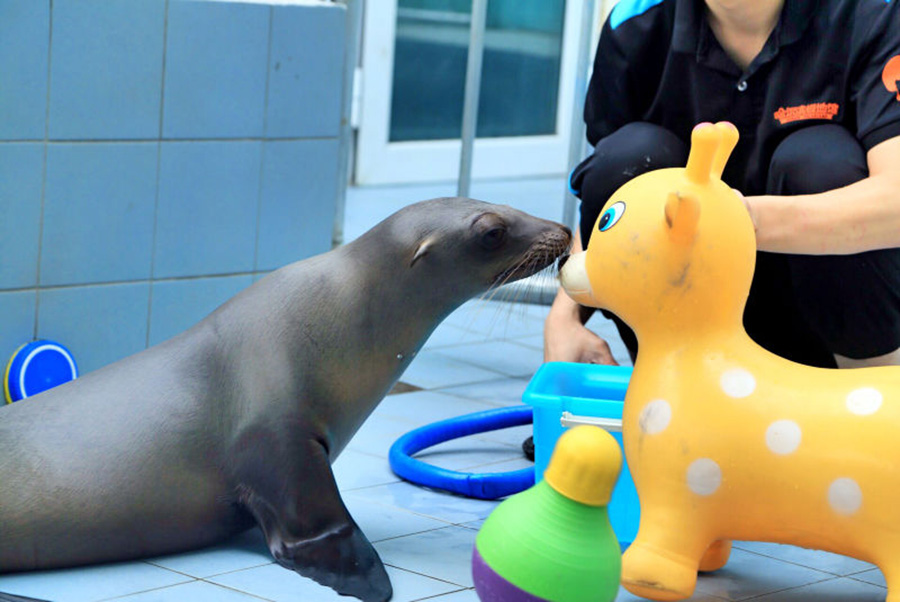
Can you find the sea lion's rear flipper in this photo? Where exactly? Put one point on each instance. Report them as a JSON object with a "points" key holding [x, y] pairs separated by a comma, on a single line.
{"points": [[306, 524]]}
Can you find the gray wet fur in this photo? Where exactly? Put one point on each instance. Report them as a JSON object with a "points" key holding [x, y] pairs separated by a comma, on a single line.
{"points": [[236, 421]]}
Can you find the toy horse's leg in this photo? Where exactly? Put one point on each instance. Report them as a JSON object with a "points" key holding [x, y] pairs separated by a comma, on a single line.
{"points": [[662, 562], [891, 571], [716, 556]]}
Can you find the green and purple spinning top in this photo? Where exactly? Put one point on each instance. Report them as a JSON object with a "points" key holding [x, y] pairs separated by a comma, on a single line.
{"points": [[554, 542]]}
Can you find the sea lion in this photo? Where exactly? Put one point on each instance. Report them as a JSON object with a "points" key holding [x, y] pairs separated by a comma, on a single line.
{"points": [[236, 421]]}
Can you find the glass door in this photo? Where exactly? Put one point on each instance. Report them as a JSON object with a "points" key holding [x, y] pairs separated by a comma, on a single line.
{"points": [[413, 75]]}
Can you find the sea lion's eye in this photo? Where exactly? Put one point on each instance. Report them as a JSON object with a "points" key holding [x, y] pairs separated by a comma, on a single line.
{"points": [[492, 230], [611, 216], [494, 237]]}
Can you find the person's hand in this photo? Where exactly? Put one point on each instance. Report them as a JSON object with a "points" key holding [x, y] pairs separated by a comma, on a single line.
{"points": [[571, 341], [566, 338]]}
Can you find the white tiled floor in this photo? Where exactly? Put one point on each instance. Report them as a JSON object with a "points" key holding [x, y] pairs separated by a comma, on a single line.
{"points": [[481, 357]]}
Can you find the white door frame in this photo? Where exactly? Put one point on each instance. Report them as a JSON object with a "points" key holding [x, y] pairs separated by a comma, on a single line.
{"points": [[379, 161]]}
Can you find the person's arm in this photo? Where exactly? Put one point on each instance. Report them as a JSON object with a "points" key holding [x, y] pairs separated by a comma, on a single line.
{"points": [[566, 338], [860, 217]]}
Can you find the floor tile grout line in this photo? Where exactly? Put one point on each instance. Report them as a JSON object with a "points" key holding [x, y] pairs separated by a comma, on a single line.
{"points": [[265, 147], [193, 580], [244, 568], [165, 568], [439, 596], [240, 591], [44, 171], [400, 568], [465, 384], [784, 589], [854, 578], [497, 463], [357, 489], [482, 341], [442, 389], [481, 366], [446, 523], [144, 591], [490, 328], [868, 570], [508, 380], [415, 533], [156, 199], [805, 566]]}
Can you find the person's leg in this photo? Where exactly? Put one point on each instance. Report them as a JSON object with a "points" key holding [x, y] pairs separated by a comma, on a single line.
{"points": [[628, 152], [850, 302], [888, 359]]}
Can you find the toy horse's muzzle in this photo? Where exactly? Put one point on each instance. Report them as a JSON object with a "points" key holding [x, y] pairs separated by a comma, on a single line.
{"points": [[574, 279]]}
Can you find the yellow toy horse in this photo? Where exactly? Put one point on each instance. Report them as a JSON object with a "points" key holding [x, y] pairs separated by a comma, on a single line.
{"points": [[724, 439]]}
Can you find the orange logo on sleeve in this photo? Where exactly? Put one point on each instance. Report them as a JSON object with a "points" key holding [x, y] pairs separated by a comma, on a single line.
{"points": [[891, 75]]}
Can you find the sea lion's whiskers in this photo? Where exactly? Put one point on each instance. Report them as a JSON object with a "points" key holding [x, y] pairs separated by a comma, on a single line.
{"points": [[514, 296]]}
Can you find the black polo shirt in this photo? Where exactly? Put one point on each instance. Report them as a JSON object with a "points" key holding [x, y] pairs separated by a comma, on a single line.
{"points": [[827, 61]]}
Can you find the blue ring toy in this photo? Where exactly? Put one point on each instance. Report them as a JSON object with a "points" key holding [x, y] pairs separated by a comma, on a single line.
{"points": [[36, 367], [485, 485]]}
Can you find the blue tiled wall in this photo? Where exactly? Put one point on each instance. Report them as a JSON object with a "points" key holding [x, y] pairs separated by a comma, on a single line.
{"points": [[156, 157]]}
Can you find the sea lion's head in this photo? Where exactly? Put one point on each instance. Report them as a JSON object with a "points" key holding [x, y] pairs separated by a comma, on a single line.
{"points": [[462, 247]]}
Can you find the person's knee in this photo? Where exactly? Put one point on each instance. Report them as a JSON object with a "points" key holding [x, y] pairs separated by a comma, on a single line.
{"points": [[816, 159], [634, 149], [888, 359], [630, 151]]}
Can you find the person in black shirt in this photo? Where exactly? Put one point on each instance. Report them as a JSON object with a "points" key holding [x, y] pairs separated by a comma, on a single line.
{"points": [[812, 86]]}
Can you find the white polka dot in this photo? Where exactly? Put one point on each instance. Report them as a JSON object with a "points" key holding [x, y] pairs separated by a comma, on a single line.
{"points": [[783, 437], [845, 496], [737, 382], [704, 476], [655, 417], [864, 401]]}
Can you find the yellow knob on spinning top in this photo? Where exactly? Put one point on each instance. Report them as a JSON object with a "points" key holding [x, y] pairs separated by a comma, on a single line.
{"points": [[585, 465]]}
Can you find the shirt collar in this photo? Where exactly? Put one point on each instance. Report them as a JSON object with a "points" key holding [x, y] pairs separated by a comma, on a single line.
{"points": [[795, 18], [690, 21]]}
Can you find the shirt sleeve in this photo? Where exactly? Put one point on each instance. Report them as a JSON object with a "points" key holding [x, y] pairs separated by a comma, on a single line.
{"points": [[611, 99], [876, 86]]}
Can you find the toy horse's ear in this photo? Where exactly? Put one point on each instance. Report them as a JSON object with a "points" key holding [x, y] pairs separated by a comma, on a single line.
{"points": [[682, 215], [729, 139], [705, 140]]}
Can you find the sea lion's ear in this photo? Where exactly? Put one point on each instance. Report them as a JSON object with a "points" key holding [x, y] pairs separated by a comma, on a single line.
{"points": [[421, 250]]}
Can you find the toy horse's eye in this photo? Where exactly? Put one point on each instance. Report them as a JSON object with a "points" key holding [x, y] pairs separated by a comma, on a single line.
{"points": [[611, 216]]}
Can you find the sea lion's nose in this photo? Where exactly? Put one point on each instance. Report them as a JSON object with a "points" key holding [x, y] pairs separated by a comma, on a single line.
{"points": [[562, 261]]}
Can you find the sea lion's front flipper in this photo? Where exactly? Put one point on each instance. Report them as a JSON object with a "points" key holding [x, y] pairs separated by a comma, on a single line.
{"points": [[306, 524]]}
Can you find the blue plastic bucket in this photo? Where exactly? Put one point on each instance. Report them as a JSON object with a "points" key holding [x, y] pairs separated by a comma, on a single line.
{"points": [[584, 391]]}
